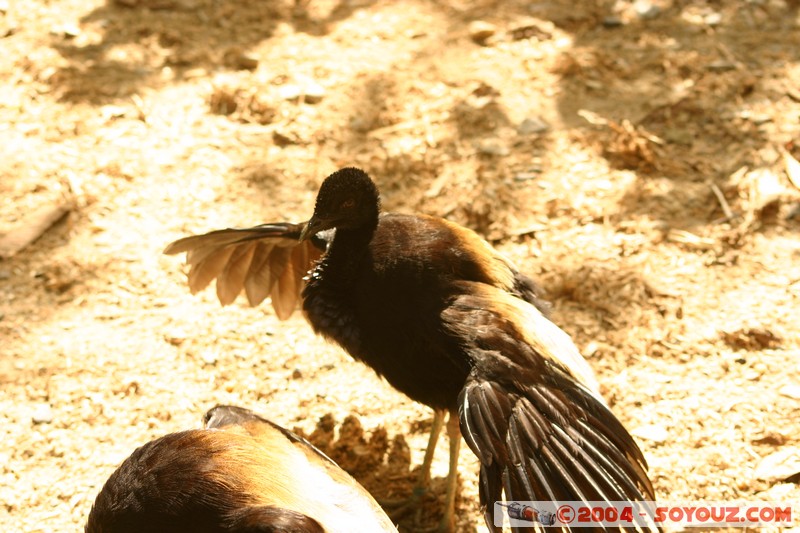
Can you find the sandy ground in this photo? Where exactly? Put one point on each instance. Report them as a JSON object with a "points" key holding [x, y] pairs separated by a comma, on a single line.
{"points": [[637, 159]]}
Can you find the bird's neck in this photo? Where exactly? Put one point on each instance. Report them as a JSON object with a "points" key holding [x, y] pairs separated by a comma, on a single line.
{"points": [[346, 251], [349, 245]]}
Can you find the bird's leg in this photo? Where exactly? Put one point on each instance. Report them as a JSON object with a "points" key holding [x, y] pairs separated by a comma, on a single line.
{"points": [[401, 507], [424, 479], [454, 436], [447, 523]]}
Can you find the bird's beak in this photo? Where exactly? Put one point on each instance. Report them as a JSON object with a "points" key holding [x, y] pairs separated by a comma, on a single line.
{"points": [[312, 227]]}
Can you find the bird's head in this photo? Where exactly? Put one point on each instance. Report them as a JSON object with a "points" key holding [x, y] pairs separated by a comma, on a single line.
{"points": [[347, 199]]}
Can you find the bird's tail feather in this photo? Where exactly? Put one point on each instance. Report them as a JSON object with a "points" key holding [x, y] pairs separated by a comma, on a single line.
{"points": [[550, 442], [531, 410]]}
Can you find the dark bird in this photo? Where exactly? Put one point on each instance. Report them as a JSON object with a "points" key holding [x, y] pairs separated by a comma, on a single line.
{"points": [[448, 321], [241, 474]]}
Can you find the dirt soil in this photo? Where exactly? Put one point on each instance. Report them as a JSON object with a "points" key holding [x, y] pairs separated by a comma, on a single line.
{"points": [[638, 159]]}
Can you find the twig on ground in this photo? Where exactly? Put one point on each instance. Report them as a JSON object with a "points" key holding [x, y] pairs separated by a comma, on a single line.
{"points": [[723, 203]]}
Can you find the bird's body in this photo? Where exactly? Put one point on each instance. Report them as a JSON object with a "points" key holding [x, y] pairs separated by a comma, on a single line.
{"points": [[450, 322], [240, 474], [383, 302]]}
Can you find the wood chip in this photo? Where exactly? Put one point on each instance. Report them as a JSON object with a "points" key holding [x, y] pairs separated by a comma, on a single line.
{"points": [[792, 168], [651, 432], [790, 391], [780, 465], [30, 227], [690, 240]]}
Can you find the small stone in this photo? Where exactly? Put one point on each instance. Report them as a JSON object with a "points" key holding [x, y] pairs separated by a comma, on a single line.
{"points": [[110, 112], [652, 432], [790, 391], [285, 138], [793, 212], [527, 175], [209, 357], [751, 375], [237, 59], [42, 414], [3, 7], [480, 31], [68, 31], [646, 10], [532, 125], [313, 93], [297, 374], [246, 62], [176, 337], [759, 118], [721, 65], [612, 22], [492, 147], [5, 274], [713, 19], [290, 91], [9, 30]]}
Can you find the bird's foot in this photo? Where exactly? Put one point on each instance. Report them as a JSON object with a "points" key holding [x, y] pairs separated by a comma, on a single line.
{"points": [[398, 511], [445, 525]]}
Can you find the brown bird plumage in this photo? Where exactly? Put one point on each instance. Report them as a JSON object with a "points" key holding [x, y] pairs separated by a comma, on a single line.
{"points": [[451, 323], [241, 474]]}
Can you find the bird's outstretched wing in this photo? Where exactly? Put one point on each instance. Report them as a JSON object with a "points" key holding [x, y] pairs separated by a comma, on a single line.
{"points": [[530, 409], [266, 260]]}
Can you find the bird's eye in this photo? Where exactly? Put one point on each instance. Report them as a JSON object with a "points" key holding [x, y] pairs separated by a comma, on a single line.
{"points": [[348, 204]]}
